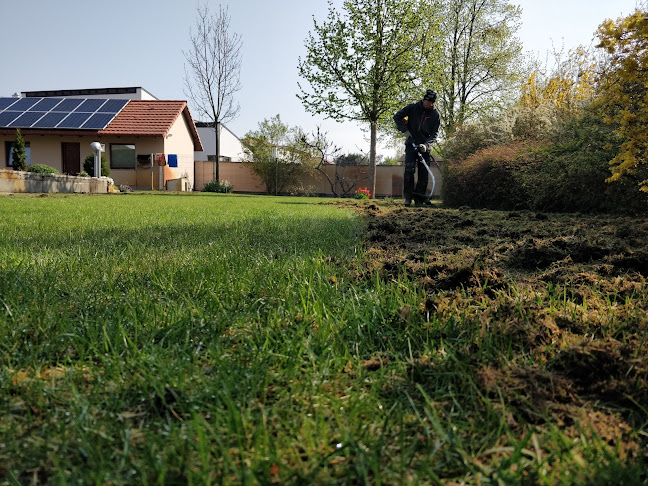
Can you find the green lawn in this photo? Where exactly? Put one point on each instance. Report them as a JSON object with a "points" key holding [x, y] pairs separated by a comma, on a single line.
{"points": [[207, 338], [165, 337]]}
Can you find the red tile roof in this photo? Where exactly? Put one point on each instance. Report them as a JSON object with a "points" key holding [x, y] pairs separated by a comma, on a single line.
{"points": [[151, 118]]}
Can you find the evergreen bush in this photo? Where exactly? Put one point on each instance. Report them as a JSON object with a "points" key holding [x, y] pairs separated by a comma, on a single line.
{"points": [[218, 186], [88, 166], [19, 155], [42, 169]]}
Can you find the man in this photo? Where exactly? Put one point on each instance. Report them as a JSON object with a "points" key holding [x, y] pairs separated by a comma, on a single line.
{"points": [[419, 122]]}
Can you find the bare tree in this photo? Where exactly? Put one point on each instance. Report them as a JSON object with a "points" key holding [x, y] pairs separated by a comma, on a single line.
{"points": [[213, 69], [321, 147]]}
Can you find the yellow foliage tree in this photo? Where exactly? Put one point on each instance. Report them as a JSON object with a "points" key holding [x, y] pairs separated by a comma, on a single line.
{"points": [[623, 85], [570, 83]]}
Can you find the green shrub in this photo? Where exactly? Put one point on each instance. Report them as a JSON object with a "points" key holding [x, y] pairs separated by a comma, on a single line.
{"points": [[567, 174], [488, 178], [83, 173], [88, 165], [218, 186], [42, 169], [574, 169]]}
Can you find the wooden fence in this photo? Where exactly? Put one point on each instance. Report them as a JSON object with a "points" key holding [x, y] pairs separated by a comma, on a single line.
{"points": [[389, 179]]}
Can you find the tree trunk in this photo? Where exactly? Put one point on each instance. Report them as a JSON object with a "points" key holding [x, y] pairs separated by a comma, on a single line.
{"points": [[216, 174], [372, 159]]}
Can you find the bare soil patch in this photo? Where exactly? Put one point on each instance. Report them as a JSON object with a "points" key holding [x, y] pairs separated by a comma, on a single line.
{"points": [[567, 291]]}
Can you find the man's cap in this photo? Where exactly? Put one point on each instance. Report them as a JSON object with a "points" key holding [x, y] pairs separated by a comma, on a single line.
{"points": [[430, 95]]}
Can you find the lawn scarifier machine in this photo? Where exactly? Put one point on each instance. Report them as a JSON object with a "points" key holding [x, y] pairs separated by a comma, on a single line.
{"points": [[427, 167]]}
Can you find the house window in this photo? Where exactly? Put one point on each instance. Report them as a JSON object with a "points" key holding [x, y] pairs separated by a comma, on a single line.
{"points": [[9, 148], [122, 156]]}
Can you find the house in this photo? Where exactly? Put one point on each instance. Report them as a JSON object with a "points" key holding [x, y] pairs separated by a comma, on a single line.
{"points": [[231, 147], [59, 129]]}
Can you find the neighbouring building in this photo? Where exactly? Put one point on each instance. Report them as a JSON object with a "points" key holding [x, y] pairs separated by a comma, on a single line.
{"points": [[59, 126], [133, 93], [231, 147]]}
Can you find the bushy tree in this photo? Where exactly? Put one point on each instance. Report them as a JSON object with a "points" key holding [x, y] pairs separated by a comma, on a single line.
{"points": [[566, 86], [359, 62], [19, 155], [550, 98], [391, 161], [352, 160], [278, 155], [481, 59], [624, 90]]}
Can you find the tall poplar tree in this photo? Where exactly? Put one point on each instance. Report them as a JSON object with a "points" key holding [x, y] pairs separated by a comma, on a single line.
{"points": [[359, 62]]}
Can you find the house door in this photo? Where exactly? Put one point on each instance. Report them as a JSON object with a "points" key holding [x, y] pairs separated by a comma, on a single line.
{"points": [[71, 155]]}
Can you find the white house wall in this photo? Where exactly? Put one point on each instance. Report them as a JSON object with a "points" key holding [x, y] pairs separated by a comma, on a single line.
{"points": [[230, 145], [179, 142], [140, 177]]}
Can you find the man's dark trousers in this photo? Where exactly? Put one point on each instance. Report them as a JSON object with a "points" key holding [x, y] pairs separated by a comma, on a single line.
{"points": [[413, 164]]}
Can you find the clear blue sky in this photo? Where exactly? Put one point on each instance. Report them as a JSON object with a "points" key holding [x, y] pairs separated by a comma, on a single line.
{"points": [[72, 44]]}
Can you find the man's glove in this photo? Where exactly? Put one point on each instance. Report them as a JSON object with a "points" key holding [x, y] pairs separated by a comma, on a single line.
{"points": [[407, 134], [422, 148]]}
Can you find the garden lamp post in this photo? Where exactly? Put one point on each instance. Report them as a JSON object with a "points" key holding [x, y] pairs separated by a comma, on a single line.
{"points": [[98, 148]]}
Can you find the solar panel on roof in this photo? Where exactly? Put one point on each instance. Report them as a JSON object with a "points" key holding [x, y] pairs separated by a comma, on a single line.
{"points": [[112, 106], [90, 105], [46, 104], [68, 105], [98, 121], [27, 119], [50, 120], [68, 113], [24, 104], [74, 120], [7, 102], [6, 117]]}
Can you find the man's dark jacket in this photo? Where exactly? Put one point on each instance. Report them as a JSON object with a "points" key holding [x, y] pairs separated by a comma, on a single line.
{"points": [[422, 124]]}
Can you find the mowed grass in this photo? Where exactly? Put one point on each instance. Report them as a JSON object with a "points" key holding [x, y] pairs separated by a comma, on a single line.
{"points": [[202, 339]]}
